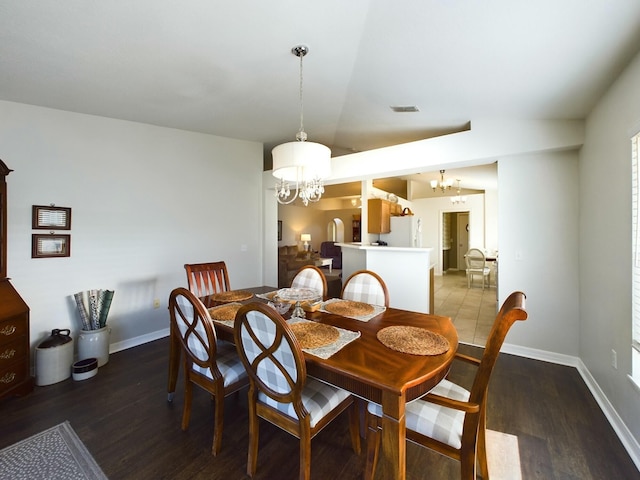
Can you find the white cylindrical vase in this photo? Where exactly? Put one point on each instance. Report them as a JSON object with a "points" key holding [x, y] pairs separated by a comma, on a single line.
{"points": [[94, 344]]}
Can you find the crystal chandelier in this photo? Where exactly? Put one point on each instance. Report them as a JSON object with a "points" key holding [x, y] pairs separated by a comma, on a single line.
{"points": [[458, 198], [441, 184], [300, 167]]}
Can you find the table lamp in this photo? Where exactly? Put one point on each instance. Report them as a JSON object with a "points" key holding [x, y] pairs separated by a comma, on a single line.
{"points": [[306, 238]]}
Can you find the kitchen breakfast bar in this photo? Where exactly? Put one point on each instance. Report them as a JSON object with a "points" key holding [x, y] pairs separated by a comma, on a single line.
{"points": [[407, 271]]}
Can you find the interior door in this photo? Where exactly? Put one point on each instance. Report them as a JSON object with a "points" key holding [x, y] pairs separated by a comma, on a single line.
{"points": [[463, 238]]}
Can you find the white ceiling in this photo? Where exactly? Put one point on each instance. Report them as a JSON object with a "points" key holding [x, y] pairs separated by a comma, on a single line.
{"points": [[225, 67]]}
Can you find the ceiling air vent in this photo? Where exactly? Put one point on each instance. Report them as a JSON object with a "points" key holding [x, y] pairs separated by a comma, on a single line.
{"points": [[405, 109]]}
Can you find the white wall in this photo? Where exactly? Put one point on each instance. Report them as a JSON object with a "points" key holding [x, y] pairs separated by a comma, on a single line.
{"points": [[605, 243], [145, 200], [539, 242], [430, 210]]}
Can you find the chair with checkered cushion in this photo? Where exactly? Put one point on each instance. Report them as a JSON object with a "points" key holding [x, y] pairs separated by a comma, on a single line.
{"points": [[211, 364], [450, 419], [367, 287], [279, 389], [311, 277]]}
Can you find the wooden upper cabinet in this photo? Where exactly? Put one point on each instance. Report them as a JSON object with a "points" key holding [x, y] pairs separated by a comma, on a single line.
{"points": [[379, 215]]}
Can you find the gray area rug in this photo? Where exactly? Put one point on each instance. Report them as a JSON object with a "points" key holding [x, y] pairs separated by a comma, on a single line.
{"points": [[56, 453]]}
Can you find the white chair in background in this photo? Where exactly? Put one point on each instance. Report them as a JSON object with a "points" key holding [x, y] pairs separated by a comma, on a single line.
{"points": [[476, 265]]}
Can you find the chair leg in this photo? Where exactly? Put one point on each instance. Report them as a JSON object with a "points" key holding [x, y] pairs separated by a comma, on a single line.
{"points": [[482, 445], [218, 421], [354, 425], [186, 410], [305, 451], [252, 457], [373, 446], [468, 464]]}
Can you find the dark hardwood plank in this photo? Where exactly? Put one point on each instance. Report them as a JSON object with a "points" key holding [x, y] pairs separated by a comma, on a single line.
{"points": [[123, 418]]}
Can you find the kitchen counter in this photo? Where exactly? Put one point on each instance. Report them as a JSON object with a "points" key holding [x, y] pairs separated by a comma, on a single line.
{"points": [[407, 272]]}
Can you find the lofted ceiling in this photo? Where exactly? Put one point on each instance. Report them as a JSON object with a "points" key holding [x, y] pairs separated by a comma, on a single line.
{"points": [[225, 68]]}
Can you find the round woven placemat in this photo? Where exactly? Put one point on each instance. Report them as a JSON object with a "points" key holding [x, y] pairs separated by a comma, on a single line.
{"points": [[349, 308], [314, 335], [413, 340], [231, 296], [227, 312]]}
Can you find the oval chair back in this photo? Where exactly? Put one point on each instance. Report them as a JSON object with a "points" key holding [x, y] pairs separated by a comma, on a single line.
{"points": [[367, 287], [311, 277]]}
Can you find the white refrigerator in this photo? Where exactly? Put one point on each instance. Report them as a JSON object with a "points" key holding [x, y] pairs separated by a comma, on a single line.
{"points": [[405, 232]]}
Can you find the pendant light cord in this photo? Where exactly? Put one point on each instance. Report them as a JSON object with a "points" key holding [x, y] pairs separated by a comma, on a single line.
{"points": [[301, 136]]}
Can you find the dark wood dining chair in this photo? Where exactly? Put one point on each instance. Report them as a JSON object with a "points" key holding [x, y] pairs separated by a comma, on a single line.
{"points": [[211, 365], [207, 278], [202, 279], [367, 287], [311, 277], [279, 390], [450, 419]]}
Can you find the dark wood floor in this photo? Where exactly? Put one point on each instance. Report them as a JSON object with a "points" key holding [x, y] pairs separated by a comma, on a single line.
{"points": [[124, 420]]}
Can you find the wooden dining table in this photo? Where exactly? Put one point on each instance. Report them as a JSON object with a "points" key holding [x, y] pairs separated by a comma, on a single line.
{"points": [[370, 370]]}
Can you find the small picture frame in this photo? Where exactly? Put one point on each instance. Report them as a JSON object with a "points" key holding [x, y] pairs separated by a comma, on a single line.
{"points": [[52, 245], [51, 218], [279, 230]]}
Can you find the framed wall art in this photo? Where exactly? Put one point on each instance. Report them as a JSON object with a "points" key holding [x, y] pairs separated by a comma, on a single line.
{"points": [[51, 218], [51, 245]]}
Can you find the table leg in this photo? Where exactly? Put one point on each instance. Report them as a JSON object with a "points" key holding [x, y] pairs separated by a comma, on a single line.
{"points": [[174, 363], [392, 461]]}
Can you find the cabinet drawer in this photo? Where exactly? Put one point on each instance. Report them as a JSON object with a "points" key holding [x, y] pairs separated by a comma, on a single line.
{"points": [[12, 375], [13, 352], [12, 328]]}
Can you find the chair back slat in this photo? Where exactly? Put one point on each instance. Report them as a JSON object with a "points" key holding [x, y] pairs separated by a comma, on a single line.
{"points": [[207, 278]]}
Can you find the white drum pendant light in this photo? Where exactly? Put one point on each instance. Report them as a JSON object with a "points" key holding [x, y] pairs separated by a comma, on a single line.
{"points": [[300, 167]]}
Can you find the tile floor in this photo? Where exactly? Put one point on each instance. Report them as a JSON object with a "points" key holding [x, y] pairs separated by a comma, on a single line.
{"points": [[472, 309]]}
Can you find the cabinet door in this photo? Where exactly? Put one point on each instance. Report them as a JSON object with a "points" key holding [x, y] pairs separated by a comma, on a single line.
{"points": [[379, 216]]}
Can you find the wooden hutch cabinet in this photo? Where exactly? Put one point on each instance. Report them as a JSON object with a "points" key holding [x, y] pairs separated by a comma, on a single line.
{"points": [[356, 229], [15, 370]]}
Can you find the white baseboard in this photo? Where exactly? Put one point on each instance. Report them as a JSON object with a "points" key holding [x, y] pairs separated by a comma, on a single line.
{"points": [[142, 339], [624, 434]]}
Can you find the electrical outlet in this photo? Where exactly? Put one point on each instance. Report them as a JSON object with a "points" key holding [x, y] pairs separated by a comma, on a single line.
{"points": [[614, 359], [156, 303]]}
